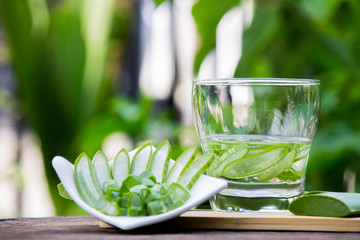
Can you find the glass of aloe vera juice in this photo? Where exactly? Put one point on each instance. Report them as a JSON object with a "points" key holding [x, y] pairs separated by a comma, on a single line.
{"points": [[260, 131]]}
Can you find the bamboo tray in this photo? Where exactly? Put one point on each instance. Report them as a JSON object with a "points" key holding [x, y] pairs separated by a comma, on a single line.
{"points": [[206, 219]]}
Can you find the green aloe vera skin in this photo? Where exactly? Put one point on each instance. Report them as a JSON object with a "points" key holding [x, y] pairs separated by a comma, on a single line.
{"points": [[141, 186], [327, 204]]}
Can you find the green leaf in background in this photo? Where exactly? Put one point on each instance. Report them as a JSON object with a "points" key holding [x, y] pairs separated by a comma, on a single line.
{"points": [[319, 10], [59, 56], [158, 2], [258, 37], [97, 17], [207, 14]]}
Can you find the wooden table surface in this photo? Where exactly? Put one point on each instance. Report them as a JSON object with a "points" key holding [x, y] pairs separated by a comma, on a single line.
{"points": [[87, 228]]}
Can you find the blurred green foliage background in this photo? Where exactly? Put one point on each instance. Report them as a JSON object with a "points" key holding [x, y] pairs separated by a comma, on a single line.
{"points": [[67, 56]]}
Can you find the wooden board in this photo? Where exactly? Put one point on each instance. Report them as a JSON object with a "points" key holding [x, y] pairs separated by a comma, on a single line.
{"points": [[205, 219]]}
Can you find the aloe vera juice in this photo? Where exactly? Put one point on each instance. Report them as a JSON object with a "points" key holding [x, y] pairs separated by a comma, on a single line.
{"points": [[264, 173]]}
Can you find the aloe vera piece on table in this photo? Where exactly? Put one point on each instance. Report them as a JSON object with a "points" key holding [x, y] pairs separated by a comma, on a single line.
{"points": [[86, 180], [159, 162], [121, 166], [192, 173], [256, 163], [182, 162], [141, 159], [327, 204]]}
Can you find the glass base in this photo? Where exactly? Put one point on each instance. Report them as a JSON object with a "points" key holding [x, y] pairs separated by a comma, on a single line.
{"points": [[257, 197], [241, 204]]}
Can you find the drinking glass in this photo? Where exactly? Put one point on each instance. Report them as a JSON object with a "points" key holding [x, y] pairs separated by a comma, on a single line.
{"points": [[260, 131]]}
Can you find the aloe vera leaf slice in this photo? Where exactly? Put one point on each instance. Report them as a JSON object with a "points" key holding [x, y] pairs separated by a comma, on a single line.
{"points": [[62, 191], [165, 203], [327, 204], [129, 182], [121, 166], [231, 155], [255, 150], [296, 171], [192, 173], [254, 164], [141, 159], [159, 161], [136, 201], [182, 162], [107, 206], [278, 168], [289, 175], [302, 153], [86, 180], [155, 207], [180, 191], [101, 164], [133, 212]]}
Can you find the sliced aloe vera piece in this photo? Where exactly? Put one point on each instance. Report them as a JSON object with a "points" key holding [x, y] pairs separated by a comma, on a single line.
{"points": [[123, 201], [133, 212], [256, 163], [121, 166], [136, 201], [255, 150], [159, 161], [110, 184], [327, 204], [123, 211], [302, 153], [191, 173], [167, 202], [86, 180], [107, 206], [141, 159], [182, 162], [289, 175], [62, 191], [231, 155], [101, 165], [155, 207], [278, 168], [181, 192], [130, 182]]}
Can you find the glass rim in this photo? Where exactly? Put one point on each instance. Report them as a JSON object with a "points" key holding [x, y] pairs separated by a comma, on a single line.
{"points": [[257, 81]]}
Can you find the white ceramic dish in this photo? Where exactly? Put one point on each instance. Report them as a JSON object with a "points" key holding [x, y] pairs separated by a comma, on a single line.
{"points": [[204, 189]]}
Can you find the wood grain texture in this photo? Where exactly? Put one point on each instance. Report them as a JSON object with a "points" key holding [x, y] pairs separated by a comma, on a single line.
{"points": [[262, 221], [87, 228], [266, 221]]}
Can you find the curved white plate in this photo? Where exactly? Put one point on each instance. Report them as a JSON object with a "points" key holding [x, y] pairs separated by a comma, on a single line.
{"points": [[204, 189]]}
